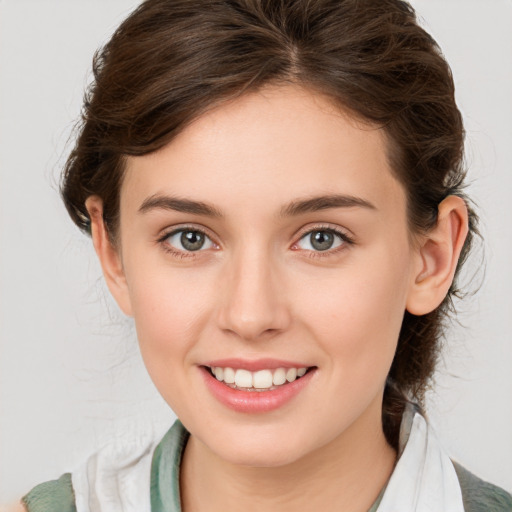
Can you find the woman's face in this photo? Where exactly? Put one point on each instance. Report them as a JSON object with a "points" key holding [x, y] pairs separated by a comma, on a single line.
{"points": [[270, 236]]}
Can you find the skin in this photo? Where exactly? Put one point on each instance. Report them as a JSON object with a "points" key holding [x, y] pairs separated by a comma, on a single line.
{"points": [[259, 289], [13, 507]]}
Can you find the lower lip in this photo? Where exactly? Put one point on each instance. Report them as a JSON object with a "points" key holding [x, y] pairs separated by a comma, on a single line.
{"points": [[255, 401]]}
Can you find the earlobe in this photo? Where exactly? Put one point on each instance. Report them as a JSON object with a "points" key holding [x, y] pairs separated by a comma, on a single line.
{"points": [[109, 255], [437, 257]]}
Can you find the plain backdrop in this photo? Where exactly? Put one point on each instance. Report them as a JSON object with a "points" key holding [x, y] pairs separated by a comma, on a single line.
{"points": [[71, 378]]}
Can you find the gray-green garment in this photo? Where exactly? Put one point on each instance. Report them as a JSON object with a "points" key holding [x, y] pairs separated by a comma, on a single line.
{"points": [[57, 495]]}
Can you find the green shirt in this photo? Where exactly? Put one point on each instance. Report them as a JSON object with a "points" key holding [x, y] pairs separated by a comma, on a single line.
{"points": [[57, 495]]}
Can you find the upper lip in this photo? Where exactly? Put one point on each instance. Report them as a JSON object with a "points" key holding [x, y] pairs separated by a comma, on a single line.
{"points": [[255, 364]]}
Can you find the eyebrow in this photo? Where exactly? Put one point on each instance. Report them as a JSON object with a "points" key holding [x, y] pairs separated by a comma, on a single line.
{"points": [[163, 202], [298, 207], [326, 202]]}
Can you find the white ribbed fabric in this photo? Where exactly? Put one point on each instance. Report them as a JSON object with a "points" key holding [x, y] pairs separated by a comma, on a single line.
{"points": [[424, 479], [118, 478]]}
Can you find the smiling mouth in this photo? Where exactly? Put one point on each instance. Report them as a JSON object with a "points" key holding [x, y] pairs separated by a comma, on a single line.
{"points": [[262, 380]]}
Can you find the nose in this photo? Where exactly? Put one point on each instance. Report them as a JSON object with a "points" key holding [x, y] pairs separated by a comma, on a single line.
{"points": [[253, 302]]}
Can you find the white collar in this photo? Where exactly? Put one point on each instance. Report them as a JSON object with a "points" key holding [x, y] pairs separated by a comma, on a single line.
{"points": [[424, 479], [117, 478]]}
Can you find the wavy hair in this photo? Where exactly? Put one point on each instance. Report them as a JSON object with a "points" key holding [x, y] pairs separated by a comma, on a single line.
{"points": [[171, 61]]}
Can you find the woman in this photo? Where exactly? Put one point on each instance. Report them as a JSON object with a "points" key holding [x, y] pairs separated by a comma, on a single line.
{"points": [[274, 192]]}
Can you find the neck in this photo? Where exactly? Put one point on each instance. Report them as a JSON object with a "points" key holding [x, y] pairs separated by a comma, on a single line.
{"points": [[346, 474]]}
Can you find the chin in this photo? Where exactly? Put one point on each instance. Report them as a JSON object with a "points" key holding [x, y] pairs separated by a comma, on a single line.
{"points": [[261, 457], [259, 449]]}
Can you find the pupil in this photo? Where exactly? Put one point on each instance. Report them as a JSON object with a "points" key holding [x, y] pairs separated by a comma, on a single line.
{"points": [[322, 240], [192, 240]]}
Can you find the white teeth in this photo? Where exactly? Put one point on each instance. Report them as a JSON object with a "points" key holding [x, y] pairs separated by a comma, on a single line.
{"points": [[260, 380], [243, 379], [291, 374], [279, 377], [229, 375]]}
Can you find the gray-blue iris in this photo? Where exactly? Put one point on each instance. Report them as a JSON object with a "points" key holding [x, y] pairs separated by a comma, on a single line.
{"points": [[192, 240], [321, 240]]}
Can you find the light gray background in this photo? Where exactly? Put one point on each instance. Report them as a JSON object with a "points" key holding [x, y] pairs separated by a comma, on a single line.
{"points": [[70, 374]]}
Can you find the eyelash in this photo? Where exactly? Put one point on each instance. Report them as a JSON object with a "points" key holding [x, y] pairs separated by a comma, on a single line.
{"points": [[346, 240], [177, 252]]}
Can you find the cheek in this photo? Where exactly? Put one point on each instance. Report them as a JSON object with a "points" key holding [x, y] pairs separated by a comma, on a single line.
{"points": [[169, 308], [357, 313]]}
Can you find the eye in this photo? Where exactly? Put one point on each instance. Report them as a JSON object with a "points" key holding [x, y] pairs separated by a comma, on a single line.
{"points": [[189, 240], [322, 240]]}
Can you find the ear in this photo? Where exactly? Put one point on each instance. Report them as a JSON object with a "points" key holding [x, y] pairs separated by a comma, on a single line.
{"points": [[437, 256], [109, 255]]}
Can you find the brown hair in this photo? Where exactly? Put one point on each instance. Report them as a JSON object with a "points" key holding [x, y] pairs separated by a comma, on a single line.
{"points": [[170, 61]]}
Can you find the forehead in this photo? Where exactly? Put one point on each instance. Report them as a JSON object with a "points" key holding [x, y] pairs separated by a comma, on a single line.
{"points": [[269, 145]]}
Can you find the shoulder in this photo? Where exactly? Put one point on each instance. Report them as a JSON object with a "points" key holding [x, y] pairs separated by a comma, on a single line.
{"points": [[120, 468], [13, 507], [53, 496], [128, 468], [481, 496]]}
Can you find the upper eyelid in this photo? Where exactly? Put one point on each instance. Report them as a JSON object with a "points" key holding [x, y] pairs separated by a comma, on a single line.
{"points": [[167, 232], [324, 227]]}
